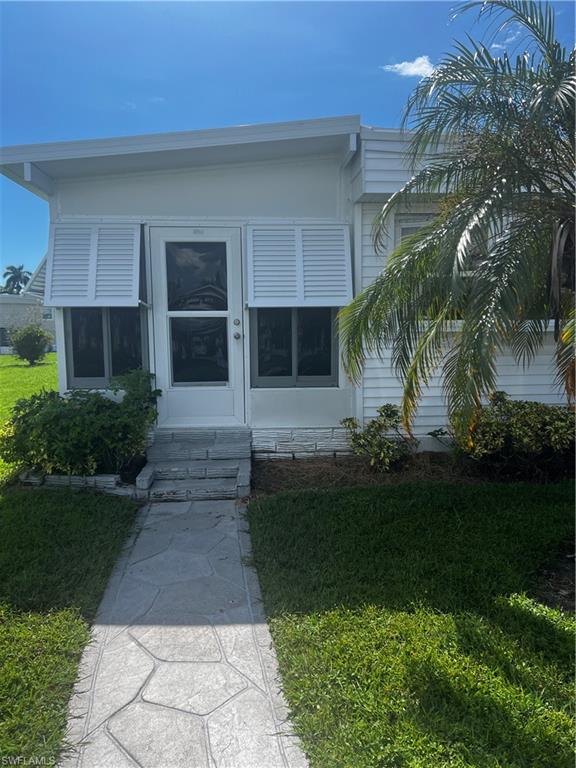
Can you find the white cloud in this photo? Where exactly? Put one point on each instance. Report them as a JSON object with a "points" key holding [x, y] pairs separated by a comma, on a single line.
{"points": [[157, 100], [420, 67], [510, 38], [129, 106]]}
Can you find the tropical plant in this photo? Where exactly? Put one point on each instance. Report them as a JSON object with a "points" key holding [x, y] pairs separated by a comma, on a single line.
{"points": [[522, 438], [16, 278], [492, 146], [381, 440]]}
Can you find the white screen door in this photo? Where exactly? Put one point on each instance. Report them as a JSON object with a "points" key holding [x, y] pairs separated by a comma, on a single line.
{"points": [[197, 300]]}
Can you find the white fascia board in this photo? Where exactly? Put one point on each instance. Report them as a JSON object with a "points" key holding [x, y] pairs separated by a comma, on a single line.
{"points": [[33, 175], [352, 149], [330, 126], [371, 132], [29, 185]]}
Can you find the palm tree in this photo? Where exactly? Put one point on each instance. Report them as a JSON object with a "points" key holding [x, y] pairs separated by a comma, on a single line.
{"points": [[16, 278], [493, 148]]}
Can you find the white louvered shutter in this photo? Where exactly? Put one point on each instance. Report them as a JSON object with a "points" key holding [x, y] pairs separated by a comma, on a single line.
{"points": [[299, 266], [37, 283], [93, 265]]}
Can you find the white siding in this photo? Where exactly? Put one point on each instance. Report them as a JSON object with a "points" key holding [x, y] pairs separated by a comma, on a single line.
{"points": [[380, 384], [384, 166]]}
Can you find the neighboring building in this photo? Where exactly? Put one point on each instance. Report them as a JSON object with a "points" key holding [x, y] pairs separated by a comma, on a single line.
{"points": [[218, 259], [21, 309]]}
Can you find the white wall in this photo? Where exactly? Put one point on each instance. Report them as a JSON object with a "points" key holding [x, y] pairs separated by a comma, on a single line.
{"points": [[304, 188], [299, 189], [380, 384]]}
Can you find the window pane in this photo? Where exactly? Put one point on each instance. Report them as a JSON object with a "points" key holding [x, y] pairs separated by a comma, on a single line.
{"points": [[199, 349], [87, 343], [196, 275], [125, 339], [315, 342], [274, 342]]}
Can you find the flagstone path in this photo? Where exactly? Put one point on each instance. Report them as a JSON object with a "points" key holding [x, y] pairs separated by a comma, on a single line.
{"points": [[182, 670]]}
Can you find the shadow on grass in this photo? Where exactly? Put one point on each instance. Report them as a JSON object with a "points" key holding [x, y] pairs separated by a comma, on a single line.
{"points": [[469, 711], [414, 594]]}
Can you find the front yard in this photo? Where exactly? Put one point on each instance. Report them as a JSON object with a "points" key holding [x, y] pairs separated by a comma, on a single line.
{"points": [[18, 380], [57, 549], [405, 627]]}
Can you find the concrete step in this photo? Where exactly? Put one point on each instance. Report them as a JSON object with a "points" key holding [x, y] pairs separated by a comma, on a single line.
{"points": [[194, 489], [181, 470], [188, 450], [206, 437]]}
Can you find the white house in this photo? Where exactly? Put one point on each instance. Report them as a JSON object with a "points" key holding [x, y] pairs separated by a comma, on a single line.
{"points": [[218, 259], [19, 309]]}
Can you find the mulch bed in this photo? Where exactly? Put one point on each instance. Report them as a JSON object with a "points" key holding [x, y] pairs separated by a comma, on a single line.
{"points": [[273, 476], [557, 580]]}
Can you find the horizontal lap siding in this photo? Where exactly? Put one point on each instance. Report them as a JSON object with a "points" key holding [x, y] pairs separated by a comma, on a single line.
{"points": [[380, 384], [385, 169]]}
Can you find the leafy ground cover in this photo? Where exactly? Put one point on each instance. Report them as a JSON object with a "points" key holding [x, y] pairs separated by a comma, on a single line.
{"points": [[17, 380], [405, 628], [57, 549]]}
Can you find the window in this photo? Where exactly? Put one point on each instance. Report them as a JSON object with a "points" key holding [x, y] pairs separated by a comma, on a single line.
{"points": [[102, 343], [408, 225], [294, 347], [4, 337]]}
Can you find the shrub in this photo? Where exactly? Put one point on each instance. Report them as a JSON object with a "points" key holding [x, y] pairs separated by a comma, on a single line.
{"points": [[81, 433], [521, 437], [31, 342], [381, 440]]}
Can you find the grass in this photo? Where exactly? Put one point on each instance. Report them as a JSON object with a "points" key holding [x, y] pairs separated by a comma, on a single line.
{"points": [[404, 628], [18, 380], [57, 549]]}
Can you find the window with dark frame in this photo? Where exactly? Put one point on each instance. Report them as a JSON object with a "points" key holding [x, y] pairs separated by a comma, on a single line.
{"points": [[102, 343], [294, 347]]}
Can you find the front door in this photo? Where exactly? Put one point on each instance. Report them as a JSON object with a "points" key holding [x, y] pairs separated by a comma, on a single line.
{"points": [[197, 300]]}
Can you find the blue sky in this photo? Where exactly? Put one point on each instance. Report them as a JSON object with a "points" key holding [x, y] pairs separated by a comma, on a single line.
{"points": [[72, 70]]}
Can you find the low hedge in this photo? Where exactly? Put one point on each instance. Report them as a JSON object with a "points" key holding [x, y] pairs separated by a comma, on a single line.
{"points": [[522, 437], [83, 432]]}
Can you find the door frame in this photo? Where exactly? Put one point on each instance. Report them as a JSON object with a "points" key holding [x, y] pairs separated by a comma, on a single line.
{"points": [[159, 336]]}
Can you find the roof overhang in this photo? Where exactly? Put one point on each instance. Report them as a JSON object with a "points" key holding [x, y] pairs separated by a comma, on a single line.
{"points": [[37, 166]]}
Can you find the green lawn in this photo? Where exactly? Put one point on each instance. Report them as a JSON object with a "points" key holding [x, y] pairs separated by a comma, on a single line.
{"points": [[17, 380], [57, 549], [403, 626]]}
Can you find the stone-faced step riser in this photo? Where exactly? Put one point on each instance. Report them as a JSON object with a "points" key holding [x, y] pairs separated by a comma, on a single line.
{"points": [[203, 437], [191, 472], [192, 494], [183, 452]]}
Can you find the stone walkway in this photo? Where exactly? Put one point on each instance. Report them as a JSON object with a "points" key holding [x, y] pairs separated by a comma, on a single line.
{"points": [[182, 671]]}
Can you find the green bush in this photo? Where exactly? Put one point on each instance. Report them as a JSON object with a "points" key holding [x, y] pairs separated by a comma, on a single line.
{"points": [[381, 440], [521, 436], [80, 433], [31, 342]]}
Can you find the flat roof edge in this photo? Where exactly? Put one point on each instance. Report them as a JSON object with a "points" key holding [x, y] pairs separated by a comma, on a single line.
{"points": [[156, 142]]}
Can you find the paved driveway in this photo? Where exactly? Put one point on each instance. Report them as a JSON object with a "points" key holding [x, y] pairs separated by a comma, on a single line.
{"points": [[182, 671]]}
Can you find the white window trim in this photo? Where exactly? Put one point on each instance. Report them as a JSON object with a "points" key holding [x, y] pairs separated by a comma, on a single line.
{"points": [[295, 381], [101, 383]]}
